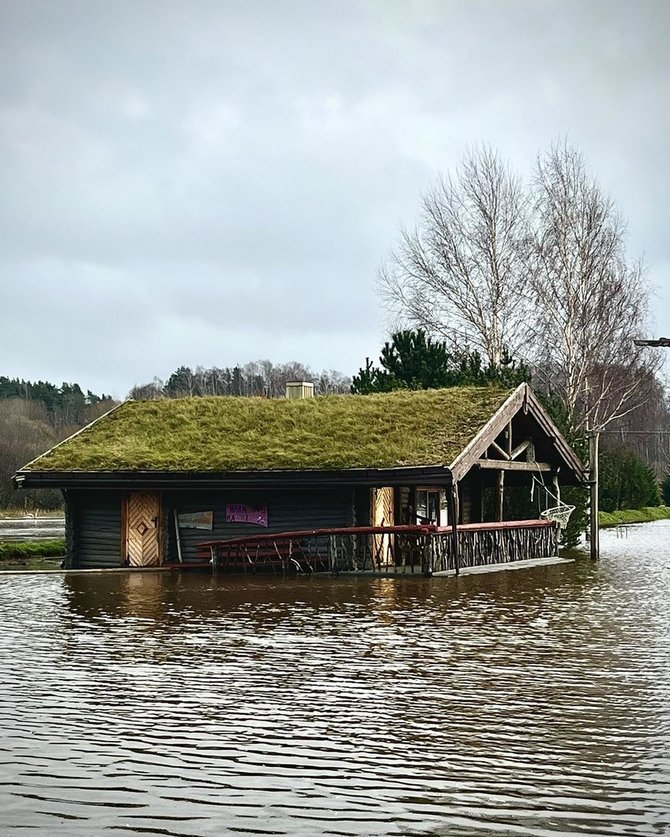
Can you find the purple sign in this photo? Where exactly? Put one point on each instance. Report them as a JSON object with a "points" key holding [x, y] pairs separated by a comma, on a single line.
{"points": [[237, 513]]}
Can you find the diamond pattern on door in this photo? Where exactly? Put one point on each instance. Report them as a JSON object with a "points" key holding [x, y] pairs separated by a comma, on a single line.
{"points": [[143, 529]]}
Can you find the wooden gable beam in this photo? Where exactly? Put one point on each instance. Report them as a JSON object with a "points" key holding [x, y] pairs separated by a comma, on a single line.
{"points": [[508, 465], [498, 449], [521, 400], [476, 448], [513, 454], [519, 449]]}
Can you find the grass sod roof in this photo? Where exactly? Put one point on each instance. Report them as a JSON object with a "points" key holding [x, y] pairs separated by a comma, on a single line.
{"points": [[427, 427]]}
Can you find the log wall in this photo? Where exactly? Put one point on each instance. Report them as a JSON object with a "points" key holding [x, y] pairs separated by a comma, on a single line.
{"points": [[93, 529]]}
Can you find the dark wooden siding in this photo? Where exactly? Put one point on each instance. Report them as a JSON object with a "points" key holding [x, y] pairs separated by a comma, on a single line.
{"points": [[362, 511], [95, 520], [287, 511], [69, 531]]}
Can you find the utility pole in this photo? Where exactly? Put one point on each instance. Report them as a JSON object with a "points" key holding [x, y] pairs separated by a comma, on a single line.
{"points": [[594, 505], [594, 444], [662, 342]]}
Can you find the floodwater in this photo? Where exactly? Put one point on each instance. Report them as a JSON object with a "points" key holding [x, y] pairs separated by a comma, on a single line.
{"points": [[32, 529], [533, 702]]}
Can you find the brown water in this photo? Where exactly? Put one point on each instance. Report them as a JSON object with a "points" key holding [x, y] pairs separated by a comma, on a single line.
{"points": [[534, 702]]}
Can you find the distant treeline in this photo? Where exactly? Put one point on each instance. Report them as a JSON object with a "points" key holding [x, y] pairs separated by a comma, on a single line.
{"points": [[35, 415], [63, 405], [261, 378]]}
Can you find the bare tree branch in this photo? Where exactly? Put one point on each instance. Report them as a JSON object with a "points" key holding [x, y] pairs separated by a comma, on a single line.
{"points": [[590, 303], [461, 273], [541, 272]]}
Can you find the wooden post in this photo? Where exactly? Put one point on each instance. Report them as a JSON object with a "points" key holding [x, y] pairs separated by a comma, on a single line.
{"points": [[177, 535], [457, 503], [500, 495], [70, 557], [594, 527], [452, 495]]}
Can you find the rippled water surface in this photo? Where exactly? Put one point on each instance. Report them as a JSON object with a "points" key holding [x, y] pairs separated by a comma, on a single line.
{"points": [[534, 702]]}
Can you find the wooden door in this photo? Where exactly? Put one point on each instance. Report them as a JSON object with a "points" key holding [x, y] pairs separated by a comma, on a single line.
{"points": [[143, 514], [383, 515], [383, 507]]}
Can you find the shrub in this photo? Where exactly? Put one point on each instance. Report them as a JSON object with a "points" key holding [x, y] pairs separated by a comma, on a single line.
{"points": [[18, 550], [626, 482], [665, 489]]}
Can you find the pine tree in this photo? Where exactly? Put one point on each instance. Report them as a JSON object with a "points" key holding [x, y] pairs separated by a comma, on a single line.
{"points": [[414, 360]]}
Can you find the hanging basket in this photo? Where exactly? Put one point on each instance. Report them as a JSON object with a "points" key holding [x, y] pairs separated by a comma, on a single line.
{"points": [[558, 514]]}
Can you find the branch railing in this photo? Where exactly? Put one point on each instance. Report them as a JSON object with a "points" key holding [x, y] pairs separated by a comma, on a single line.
{"points": [[482, 544], [386, 550]]}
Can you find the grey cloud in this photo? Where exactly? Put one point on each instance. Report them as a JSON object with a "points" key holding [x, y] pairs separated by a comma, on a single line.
{"points": [[211, 182]]}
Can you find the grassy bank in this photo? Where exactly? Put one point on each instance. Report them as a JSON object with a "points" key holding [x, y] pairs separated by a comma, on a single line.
{"points": [[33, 555], [620, 518]]}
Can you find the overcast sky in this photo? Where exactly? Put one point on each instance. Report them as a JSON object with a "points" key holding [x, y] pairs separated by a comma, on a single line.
{"points": [[205, 183]]}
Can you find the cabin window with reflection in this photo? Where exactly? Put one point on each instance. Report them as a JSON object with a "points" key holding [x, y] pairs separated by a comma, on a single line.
{"points": [[428, 506]]}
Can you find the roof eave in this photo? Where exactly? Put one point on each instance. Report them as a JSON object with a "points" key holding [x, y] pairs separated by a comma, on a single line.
{"points": [[402, 475]]}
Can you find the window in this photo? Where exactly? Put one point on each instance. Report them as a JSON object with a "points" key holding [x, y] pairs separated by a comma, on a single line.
{"points": [[428, 506]]}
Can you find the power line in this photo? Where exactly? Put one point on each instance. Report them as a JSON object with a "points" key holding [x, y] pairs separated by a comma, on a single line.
{"points": [[624, 432]]}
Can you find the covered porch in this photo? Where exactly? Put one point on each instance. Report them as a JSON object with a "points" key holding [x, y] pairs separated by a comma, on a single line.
{"points": [[385, 550], [494, 504]]}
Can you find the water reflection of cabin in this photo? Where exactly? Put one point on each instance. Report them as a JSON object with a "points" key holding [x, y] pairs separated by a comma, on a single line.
{"points": [[151, 482]]}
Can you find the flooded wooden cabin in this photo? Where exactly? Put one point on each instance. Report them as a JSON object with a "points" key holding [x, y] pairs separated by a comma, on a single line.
{"points": [[427, 481]]}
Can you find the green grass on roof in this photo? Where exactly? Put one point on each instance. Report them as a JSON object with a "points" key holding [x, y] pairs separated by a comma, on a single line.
{"points": [[427, 427]]}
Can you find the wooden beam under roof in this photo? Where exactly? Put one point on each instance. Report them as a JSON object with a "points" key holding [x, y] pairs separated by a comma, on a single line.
{"points": [[519, 449], [522, 400], [500, 451], [506, 465]]}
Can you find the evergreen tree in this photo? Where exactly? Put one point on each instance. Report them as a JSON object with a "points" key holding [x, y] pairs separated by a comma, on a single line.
{"points": [[181, 383], [65, 405], [665, 489], [626, 481], [414, 360]]}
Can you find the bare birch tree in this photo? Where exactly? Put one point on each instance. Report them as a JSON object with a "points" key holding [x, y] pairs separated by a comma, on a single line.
{"points": [[541, 272], [461, 273], [589, 301]]}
